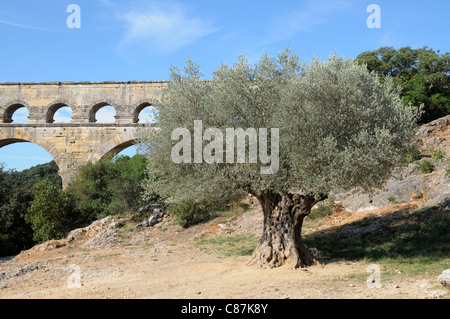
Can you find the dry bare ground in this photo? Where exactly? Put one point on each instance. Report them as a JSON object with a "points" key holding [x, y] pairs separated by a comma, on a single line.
{"points": [[167, 261]]}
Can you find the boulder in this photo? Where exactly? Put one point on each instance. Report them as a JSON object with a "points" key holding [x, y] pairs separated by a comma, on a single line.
{"points": [[151, 207], [102, 233], [157, 215], [444, 278]]}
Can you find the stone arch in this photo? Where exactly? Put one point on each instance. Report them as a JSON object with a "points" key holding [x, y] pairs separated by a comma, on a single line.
{"points": [[114, 145], [142, 105], [52, 108], [23, 137], [119, 148], [138, 110], [97, 107], [11, 108]]}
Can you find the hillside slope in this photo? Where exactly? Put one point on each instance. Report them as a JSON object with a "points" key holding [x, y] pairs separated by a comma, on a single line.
{"points": [[113, 258]]}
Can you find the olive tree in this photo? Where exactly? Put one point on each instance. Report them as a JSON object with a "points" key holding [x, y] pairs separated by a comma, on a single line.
{"points": [[338, 128]]}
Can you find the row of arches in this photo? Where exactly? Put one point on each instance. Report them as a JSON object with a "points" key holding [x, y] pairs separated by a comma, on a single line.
{"points": [[62, 113]]}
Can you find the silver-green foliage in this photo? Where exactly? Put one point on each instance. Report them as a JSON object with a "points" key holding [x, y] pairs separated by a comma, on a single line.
{"points": [[339, 127]]}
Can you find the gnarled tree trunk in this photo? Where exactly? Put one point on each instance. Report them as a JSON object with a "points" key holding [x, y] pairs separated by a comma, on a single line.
{"points": [[281, 241]]}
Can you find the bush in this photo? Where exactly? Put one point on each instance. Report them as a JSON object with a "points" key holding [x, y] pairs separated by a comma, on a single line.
{"points": [[189, 213], [392, 199], [15, 199], [107, 187], [111, 186], [422, 74], [7, 247], [412, 155], [324, 209], [51, 213], [426, 167], [320, 212], [437, 154]]}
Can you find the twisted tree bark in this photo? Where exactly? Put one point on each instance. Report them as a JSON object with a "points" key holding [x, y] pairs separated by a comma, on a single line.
{"points": [[281, 241]]}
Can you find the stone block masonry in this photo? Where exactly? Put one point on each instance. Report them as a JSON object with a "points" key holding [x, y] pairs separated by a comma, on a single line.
{"points": [[83, 140]]}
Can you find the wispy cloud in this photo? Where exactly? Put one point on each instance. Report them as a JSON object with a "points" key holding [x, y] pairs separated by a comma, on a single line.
{"points": [[304, 18], [25, 26], [161, 27]]}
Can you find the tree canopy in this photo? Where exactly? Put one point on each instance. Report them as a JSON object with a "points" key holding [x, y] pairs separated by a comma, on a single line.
{"points": [[338, 128], [15, 198], [423, 74]]}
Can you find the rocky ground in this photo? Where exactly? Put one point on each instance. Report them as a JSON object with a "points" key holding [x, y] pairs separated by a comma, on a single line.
{"points": [[126, 258], [113, 259], [409, 182]]}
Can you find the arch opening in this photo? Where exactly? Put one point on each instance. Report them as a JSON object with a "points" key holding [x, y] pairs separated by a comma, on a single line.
{"points": [[18, 154], [63, 115], [102, 113], [59, 113], [145, 113], [125, 148], [16, 113]]}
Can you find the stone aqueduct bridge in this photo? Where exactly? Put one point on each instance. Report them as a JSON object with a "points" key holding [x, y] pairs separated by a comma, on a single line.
{"points": [[74, 144]]}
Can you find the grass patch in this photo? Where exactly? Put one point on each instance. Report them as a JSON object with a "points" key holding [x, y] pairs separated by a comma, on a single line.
{"points": [[437, 154], [392, 199], [426, 167], [229, 246], [231, 209], [324, 209], [189, 214], [412, 155], [411, 241]]}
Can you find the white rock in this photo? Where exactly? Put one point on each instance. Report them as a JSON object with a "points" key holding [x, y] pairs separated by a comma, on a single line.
{"points": [[444, 278]]}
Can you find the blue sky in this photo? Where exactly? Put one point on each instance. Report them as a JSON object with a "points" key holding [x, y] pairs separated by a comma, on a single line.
{"points": [[141, 39]]}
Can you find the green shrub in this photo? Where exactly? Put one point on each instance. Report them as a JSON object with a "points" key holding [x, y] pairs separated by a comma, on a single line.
{"points": [[320, 211], [437, 154], [412, 155], [447, 170], [111, 186], [189, 213], [7, 248], [324, 209], [426, 167], [51, 213], [392, 199]]}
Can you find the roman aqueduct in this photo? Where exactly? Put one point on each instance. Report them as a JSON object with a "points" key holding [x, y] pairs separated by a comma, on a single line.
{"points": [[74, 144]]}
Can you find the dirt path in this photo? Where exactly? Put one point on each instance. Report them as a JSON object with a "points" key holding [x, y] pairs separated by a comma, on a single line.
{"points": [[168, 264]]}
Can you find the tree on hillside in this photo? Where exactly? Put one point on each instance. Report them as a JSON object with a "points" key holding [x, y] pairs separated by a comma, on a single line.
{"points": [[51, 213], [338, 129], [423, 74], [15, 198]]}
